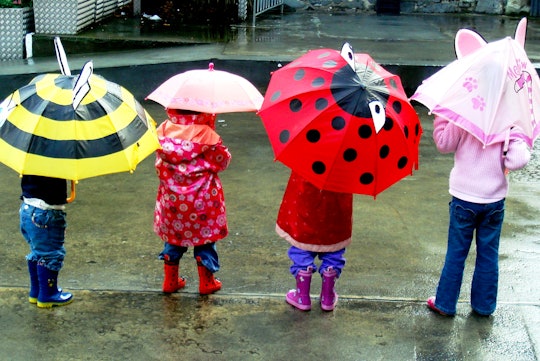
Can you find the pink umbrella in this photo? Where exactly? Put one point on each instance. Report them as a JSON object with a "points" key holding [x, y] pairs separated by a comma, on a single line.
{"points": [[209, 91], [490, 88]]}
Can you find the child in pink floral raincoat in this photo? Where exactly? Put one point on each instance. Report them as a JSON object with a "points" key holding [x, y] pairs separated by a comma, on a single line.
{"points": [[190, 204]]}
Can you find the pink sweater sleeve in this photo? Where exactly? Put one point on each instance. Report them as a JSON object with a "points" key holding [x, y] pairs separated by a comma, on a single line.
{"points": [[518, 154], [478, 174], [446, 135]]}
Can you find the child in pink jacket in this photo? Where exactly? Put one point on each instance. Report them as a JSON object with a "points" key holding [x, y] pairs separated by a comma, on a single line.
{"points": [[478, 185]]}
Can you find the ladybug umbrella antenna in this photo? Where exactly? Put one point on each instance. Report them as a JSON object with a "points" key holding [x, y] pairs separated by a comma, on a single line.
{"points": [[348, 54]]}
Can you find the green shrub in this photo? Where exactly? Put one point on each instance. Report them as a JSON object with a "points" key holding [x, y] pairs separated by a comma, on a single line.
{"points": [[15, 3]]}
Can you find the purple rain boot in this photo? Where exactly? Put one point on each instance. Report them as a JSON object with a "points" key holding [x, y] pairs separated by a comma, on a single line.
{"points": [[299, 297], [329, 296]]}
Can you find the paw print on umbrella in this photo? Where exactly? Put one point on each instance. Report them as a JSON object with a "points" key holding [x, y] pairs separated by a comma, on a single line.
{"points": [[478, 103], [342, 122], [470, 84]]}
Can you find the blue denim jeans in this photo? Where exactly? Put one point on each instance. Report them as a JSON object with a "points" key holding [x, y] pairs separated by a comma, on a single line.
{"points": [[466, 218], [44, 230], [302, 259], [207, 252]]}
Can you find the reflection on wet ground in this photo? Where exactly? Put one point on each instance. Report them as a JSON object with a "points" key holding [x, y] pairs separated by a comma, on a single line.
{"points": [[393, 265]]}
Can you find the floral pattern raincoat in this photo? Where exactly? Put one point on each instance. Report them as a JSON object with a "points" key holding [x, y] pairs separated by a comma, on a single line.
{"points": [[190, 205]]}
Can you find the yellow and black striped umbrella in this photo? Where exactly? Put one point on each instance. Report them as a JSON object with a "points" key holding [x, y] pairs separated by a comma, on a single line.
{"points": [[43, 132]]}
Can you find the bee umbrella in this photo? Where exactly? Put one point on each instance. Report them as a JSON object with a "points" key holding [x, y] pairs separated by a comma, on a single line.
{"points": [[74, 127]]}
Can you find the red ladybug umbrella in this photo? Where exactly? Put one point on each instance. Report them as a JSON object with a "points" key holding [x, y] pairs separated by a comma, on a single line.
{"points": [[342, 122]]}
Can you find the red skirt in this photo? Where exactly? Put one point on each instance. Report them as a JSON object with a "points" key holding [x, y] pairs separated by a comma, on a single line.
{"points": [[313, 219]]}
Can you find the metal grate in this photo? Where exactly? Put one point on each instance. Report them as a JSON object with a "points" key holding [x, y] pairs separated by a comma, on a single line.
{"points": [[261, 6], [71, 16], [14, 25]]}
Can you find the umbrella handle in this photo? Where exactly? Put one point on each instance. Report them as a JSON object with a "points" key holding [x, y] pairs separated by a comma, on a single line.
{"points": [[73, 193]]}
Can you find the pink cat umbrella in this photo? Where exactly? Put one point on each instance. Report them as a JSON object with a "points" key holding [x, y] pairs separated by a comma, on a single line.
{"points": [[490, 88]]}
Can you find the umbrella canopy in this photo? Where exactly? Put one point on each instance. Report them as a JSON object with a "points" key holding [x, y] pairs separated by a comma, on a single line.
{"points": [[208, 91], [490, 88], [342, 122], [58, 126]]}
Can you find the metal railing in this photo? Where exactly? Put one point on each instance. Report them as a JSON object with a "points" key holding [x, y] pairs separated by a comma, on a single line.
{"points": [[261, 6], [92, 11]]}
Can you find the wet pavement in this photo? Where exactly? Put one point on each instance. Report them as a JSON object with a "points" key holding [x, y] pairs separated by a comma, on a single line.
{"points": [[399, 239]]}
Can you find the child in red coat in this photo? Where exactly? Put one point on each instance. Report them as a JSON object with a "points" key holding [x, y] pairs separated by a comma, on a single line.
{"points": [[190, 204], [317, 223]]}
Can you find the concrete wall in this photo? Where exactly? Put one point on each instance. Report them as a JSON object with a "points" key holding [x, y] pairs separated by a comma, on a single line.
{"points": [[495, 7]]}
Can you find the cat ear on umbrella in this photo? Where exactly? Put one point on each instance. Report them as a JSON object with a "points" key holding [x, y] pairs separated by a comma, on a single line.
{"points": [[467, 42], [521, 31]]}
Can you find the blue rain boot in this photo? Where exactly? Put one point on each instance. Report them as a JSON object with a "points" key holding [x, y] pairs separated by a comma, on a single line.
{"points": [[34, 282], [49, 294]]}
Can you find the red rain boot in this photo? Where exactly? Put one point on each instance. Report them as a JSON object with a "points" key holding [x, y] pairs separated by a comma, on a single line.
{"points": [[207, 283], [329, 296], [299, 297], [172, 282]]}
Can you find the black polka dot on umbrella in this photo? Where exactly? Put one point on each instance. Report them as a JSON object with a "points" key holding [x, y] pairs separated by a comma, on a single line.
{"points": [[329, 63], [366, 178], [299, 75], [317, 82], [397, 106], [284, 136], [313, 136], [406, 131], [402, 162], [338, 123], [384, 151], [295, 105], [321, 104], [388, 124], [318, 167], [365, 131], [350, 155], [275, 96]]}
